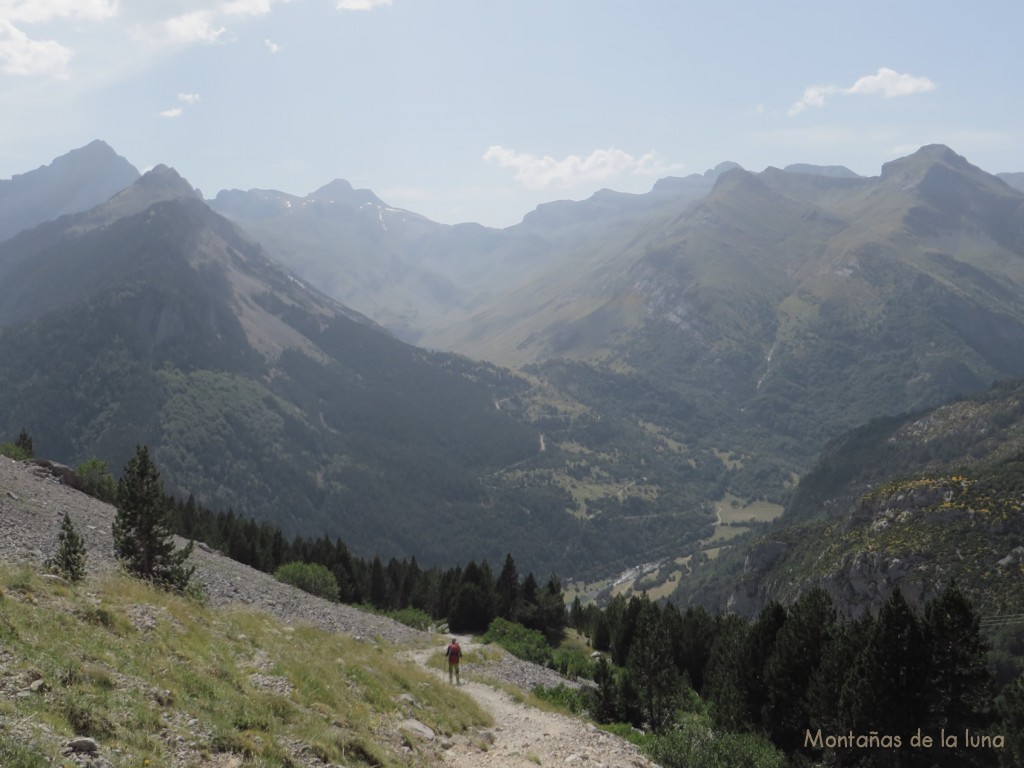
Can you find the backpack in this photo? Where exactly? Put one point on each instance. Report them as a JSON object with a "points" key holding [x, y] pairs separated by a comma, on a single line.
{"points": [[454, 653]]}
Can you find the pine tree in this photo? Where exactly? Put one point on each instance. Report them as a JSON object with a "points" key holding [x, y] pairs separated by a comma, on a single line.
{"points": [[960, 684], [722, 686], [758, 649], [143, 541], [1011, 713], [378, 584], [607, 704], [507, 590], [887, 690], [24, 443], [69, 561], [651, 667], [692, 644], [824, 697], [800, 646]]}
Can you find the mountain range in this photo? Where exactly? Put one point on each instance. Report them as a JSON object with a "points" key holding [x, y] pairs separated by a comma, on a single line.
{"points": [[708, 336], [152, 319]]}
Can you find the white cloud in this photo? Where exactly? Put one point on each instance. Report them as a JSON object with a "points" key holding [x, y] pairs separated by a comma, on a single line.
{"points": [[360, 5], [536, 172], [205, 25], [886, 82], [35, 11], [195, 27], [247, 7], [21, 56], [185, 98], [272, 46], [890, 83]]}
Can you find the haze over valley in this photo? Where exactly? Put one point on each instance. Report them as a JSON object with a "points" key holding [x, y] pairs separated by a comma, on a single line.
{"points": [[668, 356], [590, 388]]}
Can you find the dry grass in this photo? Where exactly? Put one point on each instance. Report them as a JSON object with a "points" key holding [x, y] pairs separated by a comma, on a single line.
{"points": [[151, 675]]}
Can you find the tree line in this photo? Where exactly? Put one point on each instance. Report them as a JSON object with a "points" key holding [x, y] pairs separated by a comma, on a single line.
{"points": [[863, 692], [467, 597]]}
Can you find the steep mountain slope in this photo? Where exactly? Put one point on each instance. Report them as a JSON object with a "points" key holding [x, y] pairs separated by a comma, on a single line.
{"points": [[74, 182], [913, 500], [350, 244], [1015, 180], [153, 320], [746, 318], [787, 307], [420, 279]]}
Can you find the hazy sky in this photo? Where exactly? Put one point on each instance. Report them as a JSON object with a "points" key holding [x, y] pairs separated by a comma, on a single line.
{"points": [[478, 110]]}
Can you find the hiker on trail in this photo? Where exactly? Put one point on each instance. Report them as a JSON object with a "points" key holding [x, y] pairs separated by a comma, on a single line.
{"points": [[454, 654]]}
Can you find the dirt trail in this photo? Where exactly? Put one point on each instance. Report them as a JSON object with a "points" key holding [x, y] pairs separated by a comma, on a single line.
{"points": [[525, 737]]}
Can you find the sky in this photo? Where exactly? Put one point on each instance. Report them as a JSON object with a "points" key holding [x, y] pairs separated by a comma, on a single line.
{"points": [[480, 110]]}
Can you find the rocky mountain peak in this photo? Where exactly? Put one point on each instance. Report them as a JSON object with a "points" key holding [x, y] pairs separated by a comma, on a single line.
{"points": [[73, 182], [341, 191], [671, 184], [166, 181], [912, 167], [832, 171], [159, 184]]}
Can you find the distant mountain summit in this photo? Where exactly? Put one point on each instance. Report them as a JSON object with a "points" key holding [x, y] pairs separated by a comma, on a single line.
{"points": [[72, 183], [159, 184], [341, 192], [354, 246], [835, 171], [607, 205]]}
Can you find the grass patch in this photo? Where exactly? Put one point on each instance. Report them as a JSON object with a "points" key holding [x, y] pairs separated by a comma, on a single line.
{"points": [[734, 509], [143, 671]]}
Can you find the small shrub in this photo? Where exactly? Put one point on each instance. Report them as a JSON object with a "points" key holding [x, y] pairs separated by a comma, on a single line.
{"points": [[96, 480], [98, 616], [86, 717], [694, 745], [627, 732], [12, 451], [573, 663], [412, 617], [574, 700], [527, 644], [309, 577], [246, 743]]}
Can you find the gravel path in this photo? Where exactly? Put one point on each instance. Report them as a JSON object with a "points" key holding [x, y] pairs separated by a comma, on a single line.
{"points": [[524, 736]]}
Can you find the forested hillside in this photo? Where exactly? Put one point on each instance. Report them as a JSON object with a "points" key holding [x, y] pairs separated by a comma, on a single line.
{"points": [[153, 320], [909, 501]]}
